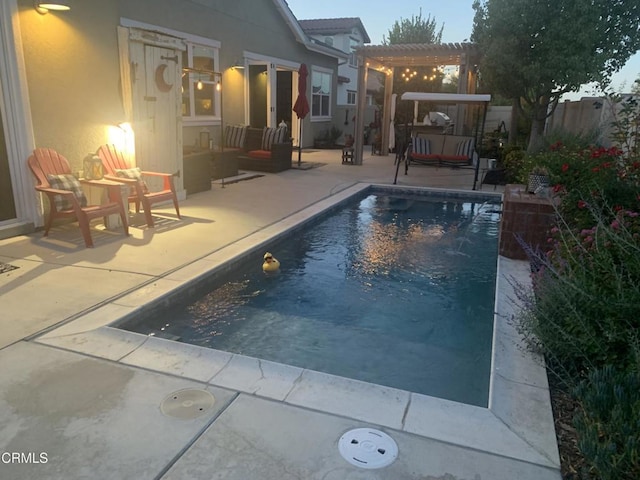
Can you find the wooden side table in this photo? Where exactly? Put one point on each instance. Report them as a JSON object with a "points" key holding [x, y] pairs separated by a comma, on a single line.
{"points": [[103, 191]]}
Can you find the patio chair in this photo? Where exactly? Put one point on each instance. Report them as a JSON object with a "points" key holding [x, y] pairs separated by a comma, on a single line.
{"points": [[117, 168], [66, 198]]}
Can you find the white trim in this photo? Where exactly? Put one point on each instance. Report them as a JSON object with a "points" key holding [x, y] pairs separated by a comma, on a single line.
{"points": [[16, 114], [446, 97], [126, 22], [273, 65], [252, 57], [328, 71]]}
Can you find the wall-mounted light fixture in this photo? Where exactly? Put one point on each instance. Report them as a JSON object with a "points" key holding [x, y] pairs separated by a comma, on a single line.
{"points": [[44, 7], [238, 64]]}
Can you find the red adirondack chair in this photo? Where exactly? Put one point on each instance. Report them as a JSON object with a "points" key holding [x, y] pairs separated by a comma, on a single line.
{"points": [[113, 162], [49, 166]]}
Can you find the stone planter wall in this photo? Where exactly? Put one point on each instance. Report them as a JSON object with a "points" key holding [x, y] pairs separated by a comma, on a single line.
{"points": [[526, 215]]}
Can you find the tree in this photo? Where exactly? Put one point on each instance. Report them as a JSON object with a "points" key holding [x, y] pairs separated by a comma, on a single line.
{"points": [[535, 51], [635, 89], [415, 30]]}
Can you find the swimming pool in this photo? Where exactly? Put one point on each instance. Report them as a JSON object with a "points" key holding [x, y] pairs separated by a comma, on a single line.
{"points": [[391, 289]]}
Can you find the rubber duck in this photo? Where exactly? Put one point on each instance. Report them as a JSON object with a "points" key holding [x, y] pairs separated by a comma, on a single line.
{"points": [[271, 264]]}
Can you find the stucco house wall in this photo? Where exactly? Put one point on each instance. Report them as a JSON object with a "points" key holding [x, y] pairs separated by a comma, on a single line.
{"points": [[73, 95]]}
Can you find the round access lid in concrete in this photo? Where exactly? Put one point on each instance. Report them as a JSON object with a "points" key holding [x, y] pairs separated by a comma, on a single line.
{"points": [[368, 448], [188, 403]]}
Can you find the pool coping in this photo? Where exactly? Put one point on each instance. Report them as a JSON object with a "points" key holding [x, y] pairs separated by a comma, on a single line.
{"points": [[518, 422]]}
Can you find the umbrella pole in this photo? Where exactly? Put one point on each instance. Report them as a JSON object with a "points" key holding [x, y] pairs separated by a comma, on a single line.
{"points": [[300, 143]]}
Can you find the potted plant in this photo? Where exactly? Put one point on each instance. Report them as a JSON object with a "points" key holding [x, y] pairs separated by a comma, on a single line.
{"points": [[538, 179]]}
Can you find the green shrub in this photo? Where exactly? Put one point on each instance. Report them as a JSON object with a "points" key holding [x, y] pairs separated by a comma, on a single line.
{"points": [[608, 423], [583, 312], [574, 141], [513, 161]]}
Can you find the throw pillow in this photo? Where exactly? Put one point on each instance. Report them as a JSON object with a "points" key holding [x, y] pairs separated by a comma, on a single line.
{"points": [[465, 148], [422, 146], [70, 183], [234, 136], [133, 173], [272, 135]]}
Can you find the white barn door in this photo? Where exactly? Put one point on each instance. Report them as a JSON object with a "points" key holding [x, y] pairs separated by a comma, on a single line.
{"points": [[156, 100]]}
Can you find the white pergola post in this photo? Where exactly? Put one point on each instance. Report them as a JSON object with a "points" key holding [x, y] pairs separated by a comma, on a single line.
{"points": [[386, 113], [362, 102]]}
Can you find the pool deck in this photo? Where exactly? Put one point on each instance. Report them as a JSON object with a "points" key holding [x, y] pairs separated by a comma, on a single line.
{"points": [[96, 401]]}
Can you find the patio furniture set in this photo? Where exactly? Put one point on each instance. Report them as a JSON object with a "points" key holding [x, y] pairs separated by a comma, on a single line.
{"points": [[266, 149]]}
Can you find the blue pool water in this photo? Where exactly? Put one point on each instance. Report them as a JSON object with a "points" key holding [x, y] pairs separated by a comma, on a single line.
{"points": [[391, 289]]}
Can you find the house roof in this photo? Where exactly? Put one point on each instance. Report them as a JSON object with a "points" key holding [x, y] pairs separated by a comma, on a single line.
{"points": [[301, 36], [333, 26]]}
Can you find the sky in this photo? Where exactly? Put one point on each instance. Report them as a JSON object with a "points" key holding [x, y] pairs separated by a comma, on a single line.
{"points": [[378, 16]]}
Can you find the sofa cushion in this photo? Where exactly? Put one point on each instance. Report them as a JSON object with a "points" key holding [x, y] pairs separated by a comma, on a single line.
{"points": [[454, 159], [272, 135], [428, 156], [234, 136], [263, 154], [70, 183]]}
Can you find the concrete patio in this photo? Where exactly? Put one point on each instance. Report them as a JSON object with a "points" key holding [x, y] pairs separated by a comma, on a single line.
{"points": [[98, 402]]}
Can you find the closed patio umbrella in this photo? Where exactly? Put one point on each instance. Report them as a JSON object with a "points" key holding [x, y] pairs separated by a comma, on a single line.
{"points": [[301, 107]]}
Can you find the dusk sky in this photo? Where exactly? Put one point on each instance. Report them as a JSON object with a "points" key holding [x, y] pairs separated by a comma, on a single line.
{"points": [[378, 16]]}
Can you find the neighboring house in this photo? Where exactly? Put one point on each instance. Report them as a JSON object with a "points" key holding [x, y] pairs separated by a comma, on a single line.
{"points": [[345, 34], [176, 71]]}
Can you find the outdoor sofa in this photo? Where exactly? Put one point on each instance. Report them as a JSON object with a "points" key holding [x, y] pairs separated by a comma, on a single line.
{"points": [[441, 150], [264, 149]]}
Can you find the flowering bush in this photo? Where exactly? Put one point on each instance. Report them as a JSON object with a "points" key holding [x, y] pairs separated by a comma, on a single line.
{"points": [[584, 310], [591, 179]]}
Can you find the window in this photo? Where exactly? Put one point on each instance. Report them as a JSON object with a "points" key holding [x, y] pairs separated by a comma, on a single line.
{"points": [[200, 87], [351, 97], [320, 93], [353, 57]]}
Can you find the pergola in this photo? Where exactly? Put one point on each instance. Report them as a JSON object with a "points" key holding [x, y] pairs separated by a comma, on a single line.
{"points": [[384, 58]]}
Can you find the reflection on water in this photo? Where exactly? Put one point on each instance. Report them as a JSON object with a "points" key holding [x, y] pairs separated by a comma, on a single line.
{"points": [[391, 290]]}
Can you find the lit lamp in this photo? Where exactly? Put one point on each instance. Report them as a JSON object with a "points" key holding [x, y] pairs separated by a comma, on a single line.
{"points": [[44, 7], [92, 166]]}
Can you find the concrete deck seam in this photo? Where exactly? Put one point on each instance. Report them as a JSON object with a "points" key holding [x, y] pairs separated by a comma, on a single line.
{"points": [[119, 360], [533, 447], [210, 381], [406, 411], [527, 384], [295, 383], [137, 367], [195, 438], [386, 428], [76, 316]]}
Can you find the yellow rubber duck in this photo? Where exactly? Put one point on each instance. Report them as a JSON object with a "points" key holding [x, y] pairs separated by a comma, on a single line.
{"points": [[271, 264]]}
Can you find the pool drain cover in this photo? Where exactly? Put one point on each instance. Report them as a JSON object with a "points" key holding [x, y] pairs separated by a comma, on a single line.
{"points": [[368, 448], [188, 403]]}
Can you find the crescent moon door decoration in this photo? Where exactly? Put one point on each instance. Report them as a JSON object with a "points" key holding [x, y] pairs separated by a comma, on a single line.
{"points": [[162, 85]]}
